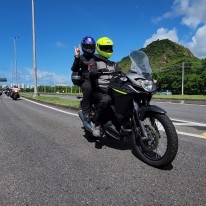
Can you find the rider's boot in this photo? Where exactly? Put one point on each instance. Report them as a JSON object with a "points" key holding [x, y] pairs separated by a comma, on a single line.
{"points": [[96, 131], [86, 120]]}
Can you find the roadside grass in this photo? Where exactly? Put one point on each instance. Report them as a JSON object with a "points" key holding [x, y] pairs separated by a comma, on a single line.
{"points": [[53, 100]]}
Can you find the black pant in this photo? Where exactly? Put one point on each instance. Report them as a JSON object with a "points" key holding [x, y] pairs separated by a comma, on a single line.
{"points": [[87, 92], [102, 101]]}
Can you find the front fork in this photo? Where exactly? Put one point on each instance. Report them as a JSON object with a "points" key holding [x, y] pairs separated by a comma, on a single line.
{"points": [[140, 112], [138, 121]]}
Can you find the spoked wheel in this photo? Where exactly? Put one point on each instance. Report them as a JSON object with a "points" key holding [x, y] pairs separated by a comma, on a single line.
{"points": [[160, 146]]}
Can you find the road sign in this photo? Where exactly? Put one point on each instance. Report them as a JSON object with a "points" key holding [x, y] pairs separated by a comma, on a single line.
{"points": [[3, 79]]}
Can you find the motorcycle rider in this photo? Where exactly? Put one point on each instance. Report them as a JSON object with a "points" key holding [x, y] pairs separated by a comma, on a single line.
{"points": [[100, 81], [15, 89], [80, 65]]}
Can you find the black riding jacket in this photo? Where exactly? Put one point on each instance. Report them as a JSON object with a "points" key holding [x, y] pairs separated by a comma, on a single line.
{"points": [[81, 65]]}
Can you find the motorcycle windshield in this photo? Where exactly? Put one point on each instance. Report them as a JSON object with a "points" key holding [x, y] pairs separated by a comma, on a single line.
{"points": [[140, 64]]}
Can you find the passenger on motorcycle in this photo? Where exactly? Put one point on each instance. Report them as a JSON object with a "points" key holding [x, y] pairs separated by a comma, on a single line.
{"points": [[80, 66], [15, 89], [101, 71]]}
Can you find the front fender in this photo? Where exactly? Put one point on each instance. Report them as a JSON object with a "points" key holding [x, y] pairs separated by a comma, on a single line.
{"points": [[142, 111]]}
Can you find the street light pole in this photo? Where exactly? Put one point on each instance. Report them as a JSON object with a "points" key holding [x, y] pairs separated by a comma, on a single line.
{"points": [[183, 74], [15, 59], [34, 49]]}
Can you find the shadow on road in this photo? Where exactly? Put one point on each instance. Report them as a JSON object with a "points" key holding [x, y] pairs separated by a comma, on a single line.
{"points": [[126, 144], [169, 167], [109, 142]]}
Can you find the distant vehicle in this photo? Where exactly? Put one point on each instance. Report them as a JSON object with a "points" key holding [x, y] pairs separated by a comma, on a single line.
{"points": [[7, 92], [0, 93], [15, 93], [167, 92]]}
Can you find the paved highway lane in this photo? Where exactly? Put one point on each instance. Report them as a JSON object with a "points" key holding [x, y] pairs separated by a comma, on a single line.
{"points": [[188, 118], [189, 112], [46, 160]]}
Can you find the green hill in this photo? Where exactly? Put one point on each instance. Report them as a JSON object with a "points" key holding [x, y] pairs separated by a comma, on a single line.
{"points": [[164, 53], [169, 60]]}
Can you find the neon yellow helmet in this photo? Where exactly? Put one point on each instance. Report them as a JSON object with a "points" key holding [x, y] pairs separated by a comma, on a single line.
{"points": [[104, 47]]}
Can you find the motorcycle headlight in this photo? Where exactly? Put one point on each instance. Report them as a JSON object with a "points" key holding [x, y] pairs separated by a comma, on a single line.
{"points": [[147, 85]]}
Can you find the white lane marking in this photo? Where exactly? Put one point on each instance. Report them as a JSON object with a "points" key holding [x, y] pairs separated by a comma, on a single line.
{"points": [[43, 105], [182, 124], [188, 122], [183, 133], [191, 135]]}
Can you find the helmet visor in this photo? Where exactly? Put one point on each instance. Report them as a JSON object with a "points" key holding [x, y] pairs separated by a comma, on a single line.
{"points": [[89, 46], [106, 48]]}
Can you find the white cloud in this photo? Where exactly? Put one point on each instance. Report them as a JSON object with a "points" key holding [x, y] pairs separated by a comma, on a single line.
{"points": [[193, 15], [192, 12], [198, 43], [163, 33], [46, 77]]}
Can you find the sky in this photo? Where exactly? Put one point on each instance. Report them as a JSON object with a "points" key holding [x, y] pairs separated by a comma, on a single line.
{"points": [[60, 25]]}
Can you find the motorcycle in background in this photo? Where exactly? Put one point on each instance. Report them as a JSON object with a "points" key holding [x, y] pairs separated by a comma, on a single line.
{"points": [[15, 93], [153, 134], [8, 92]]}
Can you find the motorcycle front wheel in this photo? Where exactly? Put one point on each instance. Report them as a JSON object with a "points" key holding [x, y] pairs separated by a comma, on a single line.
{"points": [[160, 146]]}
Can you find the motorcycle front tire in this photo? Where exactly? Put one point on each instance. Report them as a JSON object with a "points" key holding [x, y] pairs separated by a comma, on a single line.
{"points": [[167, 128]]}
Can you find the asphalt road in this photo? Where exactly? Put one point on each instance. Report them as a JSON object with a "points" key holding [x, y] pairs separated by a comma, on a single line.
{"points": [[45, 159], [189, 112], [189, 119]]}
